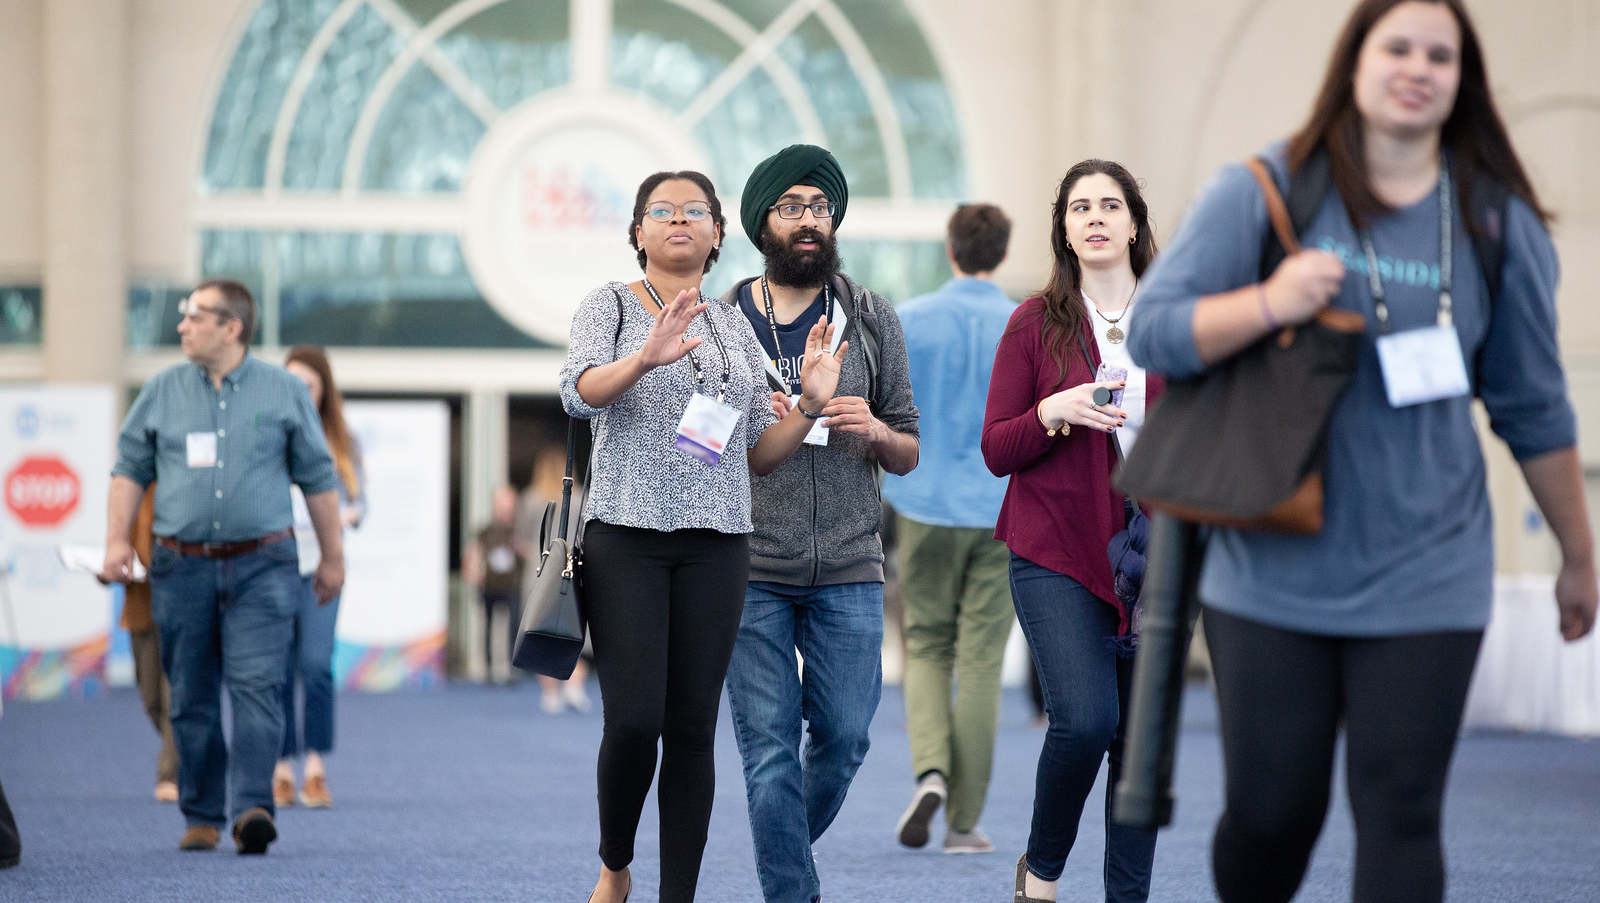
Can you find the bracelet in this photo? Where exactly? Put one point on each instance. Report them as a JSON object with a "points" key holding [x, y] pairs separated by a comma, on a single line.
{"points": [[1063, 428], [807, 414], [1266, 312]]}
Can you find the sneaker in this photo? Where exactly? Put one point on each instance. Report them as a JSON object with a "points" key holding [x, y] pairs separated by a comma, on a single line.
{"points": [[200, 837], [974, 841], [551, 704], [254, 831], [314, 795], [282, 791], [576, 697], [913, 828], [167, 792]]}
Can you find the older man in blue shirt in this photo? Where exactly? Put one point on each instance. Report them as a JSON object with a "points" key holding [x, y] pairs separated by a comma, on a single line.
{"points": [[954, 573], [223, 436]]}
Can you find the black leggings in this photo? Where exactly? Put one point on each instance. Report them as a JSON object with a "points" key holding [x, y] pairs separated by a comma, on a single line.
{"points": [[663, 614], [1283, 696]]}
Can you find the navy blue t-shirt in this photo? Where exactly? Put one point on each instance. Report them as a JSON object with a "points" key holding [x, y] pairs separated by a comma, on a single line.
{"points": [[791, 336]]}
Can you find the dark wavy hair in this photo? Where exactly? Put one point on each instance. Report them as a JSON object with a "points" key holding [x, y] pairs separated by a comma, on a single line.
{"points": [[649, 185], [1474, 134], [1064, 312]]}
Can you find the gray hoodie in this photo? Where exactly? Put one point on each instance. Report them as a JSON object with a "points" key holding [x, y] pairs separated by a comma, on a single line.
{"points": [[817, 515]]}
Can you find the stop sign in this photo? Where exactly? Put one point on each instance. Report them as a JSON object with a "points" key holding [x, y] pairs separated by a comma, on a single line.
{"points": [[41, 491]]}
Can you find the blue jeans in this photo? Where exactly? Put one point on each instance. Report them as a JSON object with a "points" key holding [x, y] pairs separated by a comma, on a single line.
{"points": [[1086, 687], [838, 631], [225, 620], [310, 654]]}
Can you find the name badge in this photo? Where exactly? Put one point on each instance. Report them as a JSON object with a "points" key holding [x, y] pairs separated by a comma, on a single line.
{"points": [[202, 449], [819, 433], [705, 428], [1422, 365]]}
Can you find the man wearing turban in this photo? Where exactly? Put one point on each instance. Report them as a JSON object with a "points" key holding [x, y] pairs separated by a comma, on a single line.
{"points": [[816, 562]]}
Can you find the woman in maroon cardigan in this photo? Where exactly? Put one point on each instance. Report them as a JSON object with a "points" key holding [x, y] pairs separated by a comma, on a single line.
{"points": [[1044, 429]]}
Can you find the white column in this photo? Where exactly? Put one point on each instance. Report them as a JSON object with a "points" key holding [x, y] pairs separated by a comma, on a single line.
{"points": [[85, 268], [485, 431]]}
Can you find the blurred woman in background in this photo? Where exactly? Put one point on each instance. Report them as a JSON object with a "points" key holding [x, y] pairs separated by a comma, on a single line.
{"points": [[311, 652]]}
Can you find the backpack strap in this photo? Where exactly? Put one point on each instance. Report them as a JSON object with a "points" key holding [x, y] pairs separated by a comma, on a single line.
{"points": [[1487, 210], [864, 326]]}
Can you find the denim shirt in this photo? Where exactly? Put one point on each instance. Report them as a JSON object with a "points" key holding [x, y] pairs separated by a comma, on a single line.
{"points": [[267, 437], [951, 337]]}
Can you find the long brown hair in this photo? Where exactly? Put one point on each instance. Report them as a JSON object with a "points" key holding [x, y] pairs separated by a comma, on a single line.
{"points": [[1064, 311], [345, 456], [1474, 136]]}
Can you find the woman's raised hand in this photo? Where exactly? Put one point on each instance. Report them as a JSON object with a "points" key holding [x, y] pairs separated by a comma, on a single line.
{"points": [[819, 370], [1076, 406], [668, 340]]}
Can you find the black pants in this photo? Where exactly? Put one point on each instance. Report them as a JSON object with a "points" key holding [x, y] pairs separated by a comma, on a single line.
{"points": [[663, 615], [512, 603], [10, 841], [1283, 696]]}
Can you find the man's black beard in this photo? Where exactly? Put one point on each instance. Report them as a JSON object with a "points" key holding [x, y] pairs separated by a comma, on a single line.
{"points": [[801, 269]]}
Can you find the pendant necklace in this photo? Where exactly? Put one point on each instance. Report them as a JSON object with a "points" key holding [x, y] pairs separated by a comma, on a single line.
{"points": [[1115, 335]]}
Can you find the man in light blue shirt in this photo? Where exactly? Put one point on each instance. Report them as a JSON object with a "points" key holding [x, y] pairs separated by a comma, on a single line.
{"points": [[954, 573], [224, 436]]}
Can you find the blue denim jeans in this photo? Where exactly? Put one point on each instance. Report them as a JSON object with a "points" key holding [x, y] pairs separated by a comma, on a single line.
{"points": [[311, 656], [794, 795], [225, 620], [1086, 687]]}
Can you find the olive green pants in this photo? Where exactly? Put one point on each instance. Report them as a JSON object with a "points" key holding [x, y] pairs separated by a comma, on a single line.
{"points": [[958, 615]]}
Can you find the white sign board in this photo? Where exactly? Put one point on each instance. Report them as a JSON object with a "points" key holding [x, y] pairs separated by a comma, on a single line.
{"points": [[56, 450], [391, 629]]}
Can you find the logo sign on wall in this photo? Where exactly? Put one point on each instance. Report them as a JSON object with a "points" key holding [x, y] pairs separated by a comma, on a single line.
{"points": [[55, 454], [550, 194]]}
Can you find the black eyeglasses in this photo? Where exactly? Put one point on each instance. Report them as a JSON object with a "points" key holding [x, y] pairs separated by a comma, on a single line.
{"points": [[820, 210], [693, 211]]}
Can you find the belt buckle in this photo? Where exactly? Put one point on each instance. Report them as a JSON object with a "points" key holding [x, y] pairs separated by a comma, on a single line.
{"points": [[212, 549]]}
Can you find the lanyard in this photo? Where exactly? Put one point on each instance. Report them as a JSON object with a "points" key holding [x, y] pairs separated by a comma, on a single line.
{"points": [[694, 359], [1445, 249], [772, 321]]}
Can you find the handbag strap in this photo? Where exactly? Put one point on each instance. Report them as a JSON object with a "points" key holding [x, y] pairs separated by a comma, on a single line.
{"points": [[1277, 210]]}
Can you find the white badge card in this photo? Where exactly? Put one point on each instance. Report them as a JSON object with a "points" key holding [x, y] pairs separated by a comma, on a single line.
{"points": [[202, 449], [1422, 365], [819, 433], [706, 426]]}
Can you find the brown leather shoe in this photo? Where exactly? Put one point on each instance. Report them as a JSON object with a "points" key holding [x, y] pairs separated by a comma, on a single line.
{"points": [[282, 791], [200, 837], [254, 830]]}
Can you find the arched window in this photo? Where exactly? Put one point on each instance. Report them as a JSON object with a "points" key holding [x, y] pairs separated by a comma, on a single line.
{"points": [[457, 173]]}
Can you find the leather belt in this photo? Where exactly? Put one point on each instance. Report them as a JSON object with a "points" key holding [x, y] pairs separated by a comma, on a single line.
{"points": [[224, 549]]}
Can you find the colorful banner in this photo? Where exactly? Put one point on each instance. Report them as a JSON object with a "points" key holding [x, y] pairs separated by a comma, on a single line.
{"points": [[56, 445], [391, 630]]}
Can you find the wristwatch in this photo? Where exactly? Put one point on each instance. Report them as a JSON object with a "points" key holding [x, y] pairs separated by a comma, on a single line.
{"points": [[807, 414]]}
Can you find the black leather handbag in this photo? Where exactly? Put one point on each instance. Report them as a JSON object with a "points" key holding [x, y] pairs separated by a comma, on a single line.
{"points": [[1243, 444], [553, 622]]}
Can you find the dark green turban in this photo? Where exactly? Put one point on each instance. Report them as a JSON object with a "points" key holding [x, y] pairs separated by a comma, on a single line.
{"points": [[797, 164]]}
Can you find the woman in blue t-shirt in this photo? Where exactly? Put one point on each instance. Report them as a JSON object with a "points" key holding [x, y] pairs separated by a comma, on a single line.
{"points": [[1375, 623]]}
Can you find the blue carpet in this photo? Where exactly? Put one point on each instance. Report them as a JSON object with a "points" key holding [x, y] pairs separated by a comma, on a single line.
{"points": [[469, 793]]}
